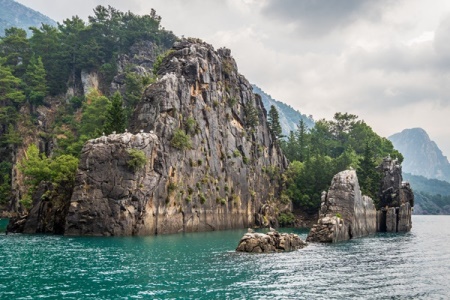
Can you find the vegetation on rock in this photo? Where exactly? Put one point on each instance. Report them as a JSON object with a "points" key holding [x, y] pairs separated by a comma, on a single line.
{"points": [[328, 148], [137, 159]]}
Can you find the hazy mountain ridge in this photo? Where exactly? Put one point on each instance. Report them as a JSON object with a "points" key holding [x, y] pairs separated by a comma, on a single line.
{"points": [[426, 169], [13, 14], [422, 156], [289, 117]]}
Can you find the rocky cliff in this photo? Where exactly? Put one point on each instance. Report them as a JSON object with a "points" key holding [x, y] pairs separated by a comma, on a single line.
{"points": [[345, 213], [396, 199], [210, 160]]}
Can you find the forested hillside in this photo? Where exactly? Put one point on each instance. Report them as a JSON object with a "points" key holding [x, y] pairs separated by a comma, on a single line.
{"points": [[44, 99], [67, 84], [316, 155]]}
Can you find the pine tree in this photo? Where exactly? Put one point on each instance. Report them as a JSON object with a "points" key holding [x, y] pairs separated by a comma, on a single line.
{"points": [[302, 141], [115, 116], [36, 84], [368, 176], [251, 114], [274, 122]]}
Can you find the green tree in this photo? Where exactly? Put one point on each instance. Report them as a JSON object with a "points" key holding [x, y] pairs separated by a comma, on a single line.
{"points": [[15, 48], [368, 175], [5, 182], [36, 87], [273, 120], [115, 116], [93, 119], [251, 114], [11, 96], [47, 43]]}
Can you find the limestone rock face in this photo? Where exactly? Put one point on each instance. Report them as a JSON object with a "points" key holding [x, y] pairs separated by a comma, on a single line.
{"points": [[273, 241], [396, 199], [220, 178], [110, 196], [345, 213]]}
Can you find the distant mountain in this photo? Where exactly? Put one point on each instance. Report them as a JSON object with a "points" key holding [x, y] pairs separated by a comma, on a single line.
{"points": [[13, 14], [422, 156], [432, 196], [289, 117]]}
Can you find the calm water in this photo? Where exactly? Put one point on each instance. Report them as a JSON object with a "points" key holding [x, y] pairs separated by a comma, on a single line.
{"points": [[204, 266]]}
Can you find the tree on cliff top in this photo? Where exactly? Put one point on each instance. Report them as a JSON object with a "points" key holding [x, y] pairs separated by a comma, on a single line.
{"points": [[273, 120], [115, 116]]}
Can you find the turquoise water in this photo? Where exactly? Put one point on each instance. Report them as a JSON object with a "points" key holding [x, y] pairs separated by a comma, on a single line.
{"points": [[204, 266]]}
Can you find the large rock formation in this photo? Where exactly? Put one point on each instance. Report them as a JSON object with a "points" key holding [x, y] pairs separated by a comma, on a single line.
{"points": [[112, 194], [396, 199], [210, 159], [345, 213], [273, 241]]}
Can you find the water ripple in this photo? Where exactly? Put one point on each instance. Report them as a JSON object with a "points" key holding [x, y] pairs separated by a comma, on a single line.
{"points": [[204, 266]]}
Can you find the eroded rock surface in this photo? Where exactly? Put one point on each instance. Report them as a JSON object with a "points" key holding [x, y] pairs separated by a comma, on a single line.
{"points": [[111, 197], [396, 199], [273, 241], [224, 177], [345, 213]]}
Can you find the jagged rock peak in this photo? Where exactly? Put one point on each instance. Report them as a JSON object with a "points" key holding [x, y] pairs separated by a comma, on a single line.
{"points": [[345, 213], [210, 161]]}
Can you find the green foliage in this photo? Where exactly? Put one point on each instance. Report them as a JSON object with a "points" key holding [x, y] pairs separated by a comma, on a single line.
{"points": [[11, 137], [286, 219], [36, 84], [171, 188], [232, 101], [5, 182], [202, 198], [159, 60], [273, 120], [10, 92], [251, 114], [181, 140], [94, 114], [236, 153], [190, 125], [328, 148], [137, 159], [37, 167], [339, 215], [115, 119], [15, 48]]}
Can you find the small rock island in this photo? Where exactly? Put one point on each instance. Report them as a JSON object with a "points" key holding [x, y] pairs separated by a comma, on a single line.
{"points": [[345, 213], [273, 241]]}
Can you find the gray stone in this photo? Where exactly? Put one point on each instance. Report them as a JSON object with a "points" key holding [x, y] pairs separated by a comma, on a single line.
{"points": [[218, 183], [345, 213], [273, 241]]}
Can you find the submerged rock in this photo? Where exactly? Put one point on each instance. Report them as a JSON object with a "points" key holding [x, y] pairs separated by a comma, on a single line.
{"points": [[273, 241], [345, 213]]}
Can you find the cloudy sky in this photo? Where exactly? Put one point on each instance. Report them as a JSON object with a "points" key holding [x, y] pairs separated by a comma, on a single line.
{"points": [[387, 61]]}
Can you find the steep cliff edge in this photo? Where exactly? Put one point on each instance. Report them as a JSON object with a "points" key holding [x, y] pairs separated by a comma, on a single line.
{"points": [[210, 161]]}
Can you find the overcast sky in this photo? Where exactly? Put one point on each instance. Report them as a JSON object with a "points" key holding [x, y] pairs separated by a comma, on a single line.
{"points": [[387, 61]]}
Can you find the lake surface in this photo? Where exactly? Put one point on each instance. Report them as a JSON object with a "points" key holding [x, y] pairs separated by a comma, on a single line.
{"points": [[415, 265]]}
